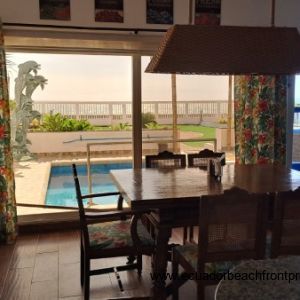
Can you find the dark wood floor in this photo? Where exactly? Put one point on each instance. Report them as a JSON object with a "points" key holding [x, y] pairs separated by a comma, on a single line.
{"points": [[46, 266]]}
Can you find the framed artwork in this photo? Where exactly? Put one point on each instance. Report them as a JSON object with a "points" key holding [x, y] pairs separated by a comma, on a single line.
{"points": [[160, 11], [207, 12], [55, 10], [109, 11]]}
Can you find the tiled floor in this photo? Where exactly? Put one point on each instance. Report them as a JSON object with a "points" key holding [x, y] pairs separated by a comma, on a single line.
{"points": [[46, 266]]}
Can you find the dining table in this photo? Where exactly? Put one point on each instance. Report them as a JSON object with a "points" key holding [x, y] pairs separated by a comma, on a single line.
{"points": [[174, 196]]}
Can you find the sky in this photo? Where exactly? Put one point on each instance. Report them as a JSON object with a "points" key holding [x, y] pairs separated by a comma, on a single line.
{"points": [[73, 77], [108, 78]]}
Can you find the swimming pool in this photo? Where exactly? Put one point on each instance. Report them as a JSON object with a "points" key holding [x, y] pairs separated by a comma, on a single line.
{"points": [[61, 188]]}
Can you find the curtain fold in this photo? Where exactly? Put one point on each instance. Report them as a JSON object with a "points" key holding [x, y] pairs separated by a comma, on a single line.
{"points": [[8, 214], [260, 119]]}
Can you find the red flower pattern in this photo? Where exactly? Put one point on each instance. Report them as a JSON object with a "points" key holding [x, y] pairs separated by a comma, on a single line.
{"points": [[2, 132], [7, 196], [258, 138]]}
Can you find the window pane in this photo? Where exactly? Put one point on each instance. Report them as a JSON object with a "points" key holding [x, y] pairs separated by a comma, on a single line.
{"points": [[87, 99]]}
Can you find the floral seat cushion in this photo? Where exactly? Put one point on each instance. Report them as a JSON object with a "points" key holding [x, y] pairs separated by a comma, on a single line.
{"points": [[190, 254], [115, 234]]}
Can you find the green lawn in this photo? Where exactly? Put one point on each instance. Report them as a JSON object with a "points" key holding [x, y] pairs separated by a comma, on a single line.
{"points": [[205, 133]]}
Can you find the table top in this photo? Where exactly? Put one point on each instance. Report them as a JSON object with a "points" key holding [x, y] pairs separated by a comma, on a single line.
{"points": [[152, 188], [270, 279]]}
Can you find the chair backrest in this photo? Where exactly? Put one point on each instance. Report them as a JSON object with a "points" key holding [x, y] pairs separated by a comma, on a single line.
{"points": [[286, 224], [232, 226], [201, 159], [165, 159], [82, 218]]}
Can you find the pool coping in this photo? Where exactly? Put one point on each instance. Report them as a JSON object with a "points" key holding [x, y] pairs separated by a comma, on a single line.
{"points": [[35, 215]]}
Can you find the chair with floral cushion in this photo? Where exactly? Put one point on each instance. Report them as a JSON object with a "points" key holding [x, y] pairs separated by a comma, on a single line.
{"points": [[232, 227], [286, 224], [107, 234]]}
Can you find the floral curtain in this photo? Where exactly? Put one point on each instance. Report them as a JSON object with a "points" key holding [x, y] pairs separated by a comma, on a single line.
{"points": [[8, 214], [260, 119]]}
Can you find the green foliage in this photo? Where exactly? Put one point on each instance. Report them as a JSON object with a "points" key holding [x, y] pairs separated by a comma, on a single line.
{"points": [[147, 118], [12, 105], [57, 122], [152, 125], [223, 121], [120, 126]]}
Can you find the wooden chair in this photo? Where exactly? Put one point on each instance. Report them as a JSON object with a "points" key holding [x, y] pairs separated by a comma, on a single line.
{"points": [[107, 234], [196, 160], [286, 224], [232, 227], [165, 159], [201, 159]]}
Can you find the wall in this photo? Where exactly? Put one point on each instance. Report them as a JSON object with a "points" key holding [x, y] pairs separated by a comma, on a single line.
{"points": [[82, 13], [258, 13], [234, 12], [246, 12], [288, 13], [63, 142]]}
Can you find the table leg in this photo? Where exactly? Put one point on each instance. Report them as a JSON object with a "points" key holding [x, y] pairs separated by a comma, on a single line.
{"points": [[160, 261]]}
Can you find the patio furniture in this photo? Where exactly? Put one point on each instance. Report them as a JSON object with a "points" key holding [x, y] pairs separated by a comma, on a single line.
{"points": [[200, 160], [232, 227], [175, 193], [262, 279], [107, 234], [286, 224], [165, 159]]}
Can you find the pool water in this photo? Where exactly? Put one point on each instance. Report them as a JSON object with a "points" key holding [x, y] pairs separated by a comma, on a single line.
{"points": [[61, 188]]}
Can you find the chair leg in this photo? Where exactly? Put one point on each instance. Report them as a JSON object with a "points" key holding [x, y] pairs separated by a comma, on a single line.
{"points": [[81, 265], [86, 285], [185, 234], [139, 264], [130, 259], [191, 237], [174, 276], [200, 290]]}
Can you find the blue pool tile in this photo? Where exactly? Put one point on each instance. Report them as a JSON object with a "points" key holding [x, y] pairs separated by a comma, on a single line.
{"points": [[61, 188]]}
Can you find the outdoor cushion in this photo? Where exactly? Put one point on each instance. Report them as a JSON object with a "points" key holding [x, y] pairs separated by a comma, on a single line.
{"points": [[115, 234], [190, 254]]}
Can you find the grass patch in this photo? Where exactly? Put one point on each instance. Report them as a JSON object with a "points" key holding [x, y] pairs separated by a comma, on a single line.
{"points": [[102, 128], [204, 133]]}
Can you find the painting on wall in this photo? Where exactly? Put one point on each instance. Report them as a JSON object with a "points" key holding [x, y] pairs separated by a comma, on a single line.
{"points": [[160, 11], [207, 12], [109, 11], [55, 10]]}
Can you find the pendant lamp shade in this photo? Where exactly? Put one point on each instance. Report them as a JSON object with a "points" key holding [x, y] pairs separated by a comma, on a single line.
{"points": [[227, 50]]}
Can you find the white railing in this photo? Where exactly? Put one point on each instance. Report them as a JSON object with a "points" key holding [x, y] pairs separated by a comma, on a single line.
{"points": [[112, 112], [297, 117]]}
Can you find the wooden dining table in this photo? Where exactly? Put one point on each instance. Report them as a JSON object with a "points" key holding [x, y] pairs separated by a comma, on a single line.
{"points": [[174, 195]]}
